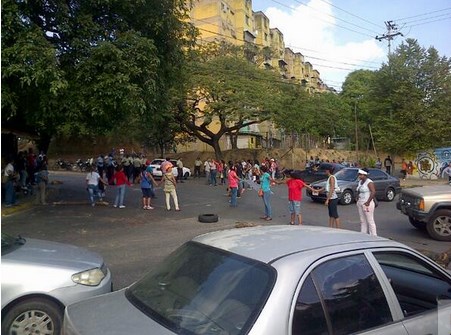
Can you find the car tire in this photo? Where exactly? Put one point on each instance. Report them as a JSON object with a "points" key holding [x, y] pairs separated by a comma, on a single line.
{"points": [[39, 314], [439, 226], [208, 218], [390, 194], [186, 175], [346, 197], [417, 224]]}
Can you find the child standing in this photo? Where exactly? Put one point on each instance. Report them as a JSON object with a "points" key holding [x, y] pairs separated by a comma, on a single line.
{"points": [[295, 185], [120, 180], [147, 183]]}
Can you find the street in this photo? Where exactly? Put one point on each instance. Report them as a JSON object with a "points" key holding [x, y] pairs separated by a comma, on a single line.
{"points": [[132, 240]]}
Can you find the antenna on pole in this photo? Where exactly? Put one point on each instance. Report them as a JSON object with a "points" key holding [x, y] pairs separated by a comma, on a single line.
{"points": [[392, 31]]}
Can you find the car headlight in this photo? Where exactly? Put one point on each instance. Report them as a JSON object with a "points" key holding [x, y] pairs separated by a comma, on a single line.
{"points": [[91, 277]]}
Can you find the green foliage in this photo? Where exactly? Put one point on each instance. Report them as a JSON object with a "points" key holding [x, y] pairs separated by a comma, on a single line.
{"points": [[412, 100], [225, 93], [89, 67]]}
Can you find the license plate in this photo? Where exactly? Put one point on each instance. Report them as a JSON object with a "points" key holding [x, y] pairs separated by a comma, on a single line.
{"points": [[315, 193]]}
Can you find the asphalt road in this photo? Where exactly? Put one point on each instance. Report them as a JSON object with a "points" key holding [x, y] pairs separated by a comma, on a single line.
{"points": [[132, 239]]}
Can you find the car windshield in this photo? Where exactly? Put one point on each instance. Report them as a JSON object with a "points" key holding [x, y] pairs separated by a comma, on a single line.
{"points": [[347, 174], [157, 161], [203, 290], [10, 243]]}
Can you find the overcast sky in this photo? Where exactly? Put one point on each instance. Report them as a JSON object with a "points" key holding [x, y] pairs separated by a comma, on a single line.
{"points": [[338, 36]]}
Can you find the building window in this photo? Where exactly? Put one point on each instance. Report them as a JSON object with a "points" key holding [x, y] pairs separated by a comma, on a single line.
{"points": [[247, 20], [266, 37]]}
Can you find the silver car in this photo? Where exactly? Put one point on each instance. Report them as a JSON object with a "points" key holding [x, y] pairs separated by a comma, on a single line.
{"points": [[387, 187], [157, 173], [276, 280], [39, 278]]}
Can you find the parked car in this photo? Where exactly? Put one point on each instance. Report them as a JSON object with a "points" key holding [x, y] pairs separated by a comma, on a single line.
{"points": [[428, 208], [39, 278], [156, 166], [276, 280], [311, 175], [387, 187]]}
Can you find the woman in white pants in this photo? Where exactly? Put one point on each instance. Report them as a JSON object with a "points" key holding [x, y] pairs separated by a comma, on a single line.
{"points": [[365, 203], [169, 187]]}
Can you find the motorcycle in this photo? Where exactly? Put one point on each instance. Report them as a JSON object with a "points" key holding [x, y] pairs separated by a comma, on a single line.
{"points": [[83, 166], [64, 165]]}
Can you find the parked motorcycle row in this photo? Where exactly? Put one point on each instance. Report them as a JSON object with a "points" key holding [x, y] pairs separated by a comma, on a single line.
{"points": [[79, 165]]}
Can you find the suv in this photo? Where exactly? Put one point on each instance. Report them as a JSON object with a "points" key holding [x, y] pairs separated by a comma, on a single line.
{"points": [[428, 207]]}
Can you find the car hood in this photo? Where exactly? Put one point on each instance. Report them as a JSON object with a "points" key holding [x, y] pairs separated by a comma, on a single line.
{"points": [[114, 315], [47, 253]]}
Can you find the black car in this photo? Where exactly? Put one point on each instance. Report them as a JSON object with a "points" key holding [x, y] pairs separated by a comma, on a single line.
{"points": [[316, 173], [347, 179]]}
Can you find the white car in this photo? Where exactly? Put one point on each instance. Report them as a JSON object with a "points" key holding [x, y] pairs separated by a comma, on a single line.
{"points": [[156, 168], [39, 278], [277, 280]]}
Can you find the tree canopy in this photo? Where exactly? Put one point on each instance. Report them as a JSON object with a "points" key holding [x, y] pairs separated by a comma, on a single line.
{"points": [[82, 67], [224, 94]]}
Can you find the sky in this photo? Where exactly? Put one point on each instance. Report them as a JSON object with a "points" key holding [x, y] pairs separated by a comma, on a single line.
{"points": [[339, 36]]}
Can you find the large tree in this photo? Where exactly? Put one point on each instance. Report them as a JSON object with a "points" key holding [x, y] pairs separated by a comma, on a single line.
{"points": [[226, 93], [411, 100], [86, 67]]}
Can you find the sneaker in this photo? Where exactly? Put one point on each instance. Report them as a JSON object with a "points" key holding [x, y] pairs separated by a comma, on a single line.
{"points": [[121, 206], [268, 219], [93, 204], [144, 207], [115, 206], [150, 207]]}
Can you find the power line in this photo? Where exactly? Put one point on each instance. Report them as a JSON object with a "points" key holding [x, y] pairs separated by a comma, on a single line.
{"points": [[435, 11], [428, 18], [337, 25], [419, 24]]}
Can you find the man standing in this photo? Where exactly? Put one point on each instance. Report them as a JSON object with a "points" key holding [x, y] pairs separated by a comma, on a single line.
{"points": [[197, 165], [207, 171], [388, 163], [179, 170]]}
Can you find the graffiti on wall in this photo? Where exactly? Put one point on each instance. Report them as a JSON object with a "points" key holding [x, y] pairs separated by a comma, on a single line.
{"points": [[430, 164]]}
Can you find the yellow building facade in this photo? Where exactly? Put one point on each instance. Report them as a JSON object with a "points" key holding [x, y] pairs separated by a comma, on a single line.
{"points": [[234, 21]]}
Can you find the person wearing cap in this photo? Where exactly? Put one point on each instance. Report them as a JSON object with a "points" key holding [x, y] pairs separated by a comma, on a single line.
{"points": [[365, 203]]}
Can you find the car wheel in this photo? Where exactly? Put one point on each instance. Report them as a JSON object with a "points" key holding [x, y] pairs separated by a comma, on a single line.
{"points": [[417, 224], [33, 316], [390, 194], [439, 226], [346, 197], [208, 218], [186, 175]]}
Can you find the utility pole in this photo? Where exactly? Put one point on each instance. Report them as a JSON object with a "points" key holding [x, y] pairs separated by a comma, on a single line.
{"points": [[392, 31]]}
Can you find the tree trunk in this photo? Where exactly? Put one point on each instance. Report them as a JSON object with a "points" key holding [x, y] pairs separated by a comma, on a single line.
{"points": [[217, 148], [44, 142]]}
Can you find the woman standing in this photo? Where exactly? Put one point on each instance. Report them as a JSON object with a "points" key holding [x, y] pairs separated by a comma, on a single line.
{"points": [[265, 186], [233, 185], [169, 188], [332, 198], [365, 203], [120, 181]]}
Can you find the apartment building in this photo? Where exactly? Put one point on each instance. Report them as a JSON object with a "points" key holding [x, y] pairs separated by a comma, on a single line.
{"points": [[235, 22]]}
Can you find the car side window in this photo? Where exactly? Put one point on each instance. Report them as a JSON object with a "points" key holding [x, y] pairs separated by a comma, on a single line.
{"points": [[344, 294], [417, 285], [377, 175]]}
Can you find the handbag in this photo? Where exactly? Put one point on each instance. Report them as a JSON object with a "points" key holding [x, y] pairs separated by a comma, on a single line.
{"points": [[260, 192]]}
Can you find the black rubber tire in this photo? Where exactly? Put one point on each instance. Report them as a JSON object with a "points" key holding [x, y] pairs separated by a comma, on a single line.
{"points": [[47, 311], [417, 224], [346, 197], [186, 175], [208, 218], [390, 194], [439, 226]]}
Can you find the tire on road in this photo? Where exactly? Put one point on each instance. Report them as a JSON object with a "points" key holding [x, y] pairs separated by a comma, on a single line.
{"points": [[208, 218], [42, 314], [390, 194], [439, 226]]}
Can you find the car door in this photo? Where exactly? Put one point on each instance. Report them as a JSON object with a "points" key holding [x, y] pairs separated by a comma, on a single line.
{"points": [[343, 295], [422, 289], [380, 181]]}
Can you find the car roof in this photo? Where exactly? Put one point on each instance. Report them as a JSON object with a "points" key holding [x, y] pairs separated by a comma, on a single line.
{"points": [[267, 243]]}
